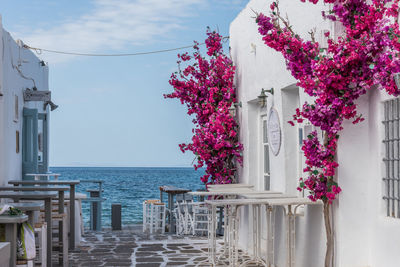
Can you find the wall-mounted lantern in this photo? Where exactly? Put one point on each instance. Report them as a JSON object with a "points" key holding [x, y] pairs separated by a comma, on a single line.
{"points": [[262, 98], [52, 105], [233, 107]]}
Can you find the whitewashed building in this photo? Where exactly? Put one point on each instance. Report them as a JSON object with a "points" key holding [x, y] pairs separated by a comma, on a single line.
{"points": [[25, 104], [25, 107], [366, 216]]}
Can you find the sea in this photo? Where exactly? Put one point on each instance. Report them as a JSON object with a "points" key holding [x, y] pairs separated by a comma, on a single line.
{"points": [[128, 187]]}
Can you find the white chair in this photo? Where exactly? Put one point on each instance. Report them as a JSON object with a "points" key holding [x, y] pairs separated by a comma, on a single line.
{"points": [[199, 219], [41, 231], [180, 218], [147, 213], [157, 219], [191, 217]]}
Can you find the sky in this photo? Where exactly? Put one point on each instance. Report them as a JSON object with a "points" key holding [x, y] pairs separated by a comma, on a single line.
{"points": [[111, 109]]}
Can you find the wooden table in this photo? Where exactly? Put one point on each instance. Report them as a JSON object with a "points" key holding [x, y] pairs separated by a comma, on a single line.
{"points": [[38, 176], [171, 191], [260, 199], [11, 223], [230, 242], [28, 208], [47, 198], [63, 252], [290, 206], [230, 192], [228, 186], [71, 184]]}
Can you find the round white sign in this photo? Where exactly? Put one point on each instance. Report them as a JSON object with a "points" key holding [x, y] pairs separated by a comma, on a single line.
{"points": [[274, 132]]}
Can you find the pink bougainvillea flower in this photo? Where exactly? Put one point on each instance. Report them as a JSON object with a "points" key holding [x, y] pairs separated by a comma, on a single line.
{"points": [[366, 55], [205, 86]]}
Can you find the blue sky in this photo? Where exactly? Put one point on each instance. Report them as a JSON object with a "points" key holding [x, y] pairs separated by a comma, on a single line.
{"points": [[111, 110]]}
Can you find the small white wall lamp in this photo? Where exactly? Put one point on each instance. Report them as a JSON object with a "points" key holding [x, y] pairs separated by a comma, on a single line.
{"points": [[396, 77], [262, 98], [233, 107]]}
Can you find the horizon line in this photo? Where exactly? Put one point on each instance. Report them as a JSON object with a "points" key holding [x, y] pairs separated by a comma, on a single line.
{"points": [[68, 166]]}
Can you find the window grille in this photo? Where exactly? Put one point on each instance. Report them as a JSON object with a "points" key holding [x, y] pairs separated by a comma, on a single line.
{"points": [[391, 142]]}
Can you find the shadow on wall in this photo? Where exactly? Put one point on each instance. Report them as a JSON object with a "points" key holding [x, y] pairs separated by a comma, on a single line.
{"points": [[311, 241], [280, 237]]}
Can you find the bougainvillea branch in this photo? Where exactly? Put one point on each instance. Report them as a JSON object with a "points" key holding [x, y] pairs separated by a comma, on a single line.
{"points": [[205, 85]]}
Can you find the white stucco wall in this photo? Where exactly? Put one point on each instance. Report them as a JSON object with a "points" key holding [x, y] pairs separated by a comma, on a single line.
{"points": [[364, 235], [13, 56], [259, 68]]}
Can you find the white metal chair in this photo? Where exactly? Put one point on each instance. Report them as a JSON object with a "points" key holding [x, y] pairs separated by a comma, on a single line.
{"points": [[157, 220], [41, 231], [183, 214], [199, 219], [181, 218], [147, 213]]}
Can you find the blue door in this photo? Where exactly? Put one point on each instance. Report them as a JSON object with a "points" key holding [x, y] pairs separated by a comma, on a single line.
{"points": [[29, 142], [43, 145]]}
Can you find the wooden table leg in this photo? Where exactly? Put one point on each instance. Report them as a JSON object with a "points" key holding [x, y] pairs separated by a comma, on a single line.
{"points": [[270, 235], [47, 204], [212, 243], [11, 236], [170, 208], [72, 217], [31, 217], [63, 249]]}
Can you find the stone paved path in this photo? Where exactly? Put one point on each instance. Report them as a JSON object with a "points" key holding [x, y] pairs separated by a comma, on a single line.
{"points": [[105, 248], [133, 248]]}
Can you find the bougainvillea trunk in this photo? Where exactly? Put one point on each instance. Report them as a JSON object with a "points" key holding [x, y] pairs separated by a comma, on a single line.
{"points": [[329, 235]]}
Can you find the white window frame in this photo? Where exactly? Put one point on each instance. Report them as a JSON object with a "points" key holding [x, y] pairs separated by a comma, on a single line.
{"points": [[303, 130], [265, 170]]}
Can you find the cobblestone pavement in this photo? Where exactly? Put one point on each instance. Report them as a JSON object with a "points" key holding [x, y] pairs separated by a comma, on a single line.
{"points": [[131, 247]]}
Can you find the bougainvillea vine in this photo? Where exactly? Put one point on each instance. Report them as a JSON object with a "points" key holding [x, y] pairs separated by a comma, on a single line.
{"points": [[365, 55], [205, 85]]}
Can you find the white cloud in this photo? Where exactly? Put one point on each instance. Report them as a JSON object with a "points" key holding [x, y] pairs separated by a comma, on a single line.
{"points": [[232, 4], [112, 24]]}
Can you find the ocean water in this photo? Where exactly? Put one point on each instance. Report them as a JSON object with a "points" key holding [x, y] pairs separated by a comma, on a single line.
{"points": [[129, 186]]}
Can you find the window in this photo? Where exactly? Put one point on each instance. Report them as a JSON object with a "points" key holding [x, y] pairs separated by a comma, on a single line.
{"points": [[305, 130], [16, 108], [391, 180], [265, 154], [17, 142]]}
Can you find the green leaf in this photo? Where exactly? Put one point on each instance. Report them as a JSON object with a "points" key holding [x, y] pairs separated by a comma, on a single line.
{"points": [[372, 66], [14, 211]]}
